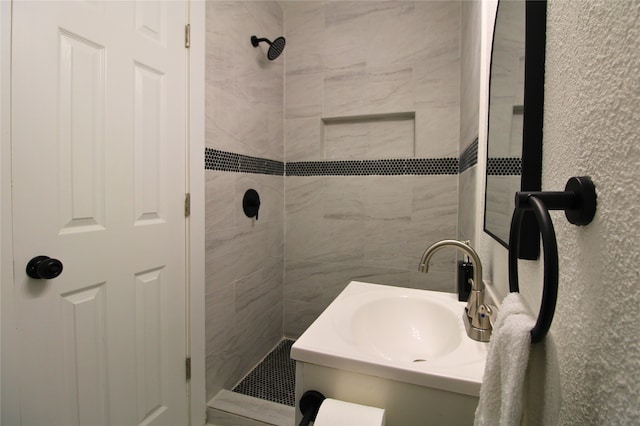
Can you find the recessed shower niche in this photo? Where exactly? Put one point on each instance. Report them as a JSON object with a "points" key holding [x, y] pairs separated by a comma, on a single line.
{"points": [[372, 136]]}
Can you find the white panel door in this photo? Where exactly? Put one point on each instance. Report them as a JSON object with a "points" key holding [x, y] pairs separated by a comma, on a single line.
{"points": [[98, 143]]}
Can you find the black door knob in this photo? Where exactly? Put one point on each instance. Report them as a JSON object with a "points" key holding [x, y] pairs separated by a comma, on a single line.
{"points": [[44, 267]]}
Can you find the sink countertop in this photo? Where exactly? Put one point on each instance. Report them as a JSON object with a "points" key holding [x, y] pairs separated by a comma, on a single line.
{"points": [[330, 342]]}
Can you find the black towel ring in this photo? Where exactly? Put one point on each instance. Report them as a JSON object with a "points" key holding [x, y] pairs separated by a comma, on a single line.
{"points": [[550, 252], [579, 203]]}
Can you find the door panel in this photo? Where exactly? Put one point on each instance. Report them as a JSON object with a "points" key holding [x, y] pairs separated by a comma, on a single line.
{"points": [[81, 140], [85, 333], [150, 144], [98, 157], [150, 297], [151, 21]]}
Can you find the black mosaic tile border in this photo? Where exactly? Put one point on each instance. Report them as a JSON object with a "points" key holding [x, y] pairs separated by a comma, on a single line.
{"points": [[274, 379], [469, 157], [399, 166], [232, 162], [504, 166]]}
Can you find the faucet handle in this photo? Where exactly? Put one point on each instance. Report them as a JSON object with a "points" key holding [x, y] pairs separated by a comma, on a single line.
{"points": [[476, 298], [482, 320]]}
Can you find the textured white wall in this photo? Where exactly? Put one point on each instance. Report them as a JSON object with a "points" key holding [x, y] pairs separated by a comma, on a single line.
{"points": [[591, 127], [592, 111]]}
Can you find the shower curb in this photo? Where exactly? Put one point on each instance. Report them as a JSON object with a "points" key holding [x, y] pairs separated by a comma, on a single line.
{"points": [[231, 408]]}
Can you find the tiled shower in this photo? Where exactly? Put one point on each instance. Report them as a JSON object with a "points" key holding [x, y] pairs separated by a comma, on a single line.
{"points": [[355, 140]]}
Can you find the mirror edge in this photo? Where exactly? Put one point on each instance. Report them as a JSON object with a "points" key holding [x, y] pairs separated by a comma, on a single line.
{"points": [[532, 132], [486, 182], [532, 129]]}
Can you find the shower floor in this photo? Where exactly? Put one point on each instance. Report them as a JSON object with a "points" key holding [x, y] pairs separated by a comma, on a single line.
{"points": [[274, 379]]}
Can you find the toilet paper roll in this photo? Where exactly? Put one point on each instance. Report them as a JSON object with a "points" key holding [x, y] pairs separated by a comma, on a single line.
{"points": [[340, 413]]}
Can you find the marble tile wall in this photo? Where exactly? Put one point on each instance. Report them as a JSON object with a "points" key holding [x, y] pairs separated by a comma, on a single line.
{"points": [[471, 17], [471, 14], [244, 257], [372, 228], [362, 62], [244, 91], [370, 139]]}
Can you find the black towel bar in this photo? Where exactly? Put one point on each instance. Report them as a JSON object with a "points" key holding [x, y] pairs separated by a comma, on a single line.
{"points": [[579, 203]]}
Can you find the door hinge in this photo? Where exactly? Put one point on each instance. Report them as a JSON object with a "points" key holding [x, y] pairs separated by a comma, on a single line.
{"points": [[188, 368], [187, 36], [187, 205]]}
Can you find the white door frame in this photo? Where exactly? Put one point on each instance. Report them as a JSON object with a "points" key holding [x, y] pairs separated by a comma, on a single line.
{"points": [[9, 359], [9, 396], [195, 250]]}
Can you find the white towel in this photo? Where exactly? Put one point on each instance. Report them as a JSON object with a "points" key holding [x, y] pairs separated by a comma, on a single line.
{"points": [[521, 383]]}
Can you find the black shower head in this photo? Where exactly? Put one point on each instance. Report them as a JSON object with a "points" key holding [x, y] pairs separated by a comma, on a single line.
{"points": [[275, 47]]}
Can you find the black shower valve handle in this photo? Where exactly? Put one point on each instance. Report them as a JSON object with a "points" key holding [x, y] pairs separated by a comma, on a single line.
{"points": [[251, 203]]}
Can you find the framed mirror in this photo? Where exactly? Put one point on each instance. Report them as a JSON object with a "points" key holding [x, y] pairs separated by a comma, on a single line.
{"points": [[516, 100]]}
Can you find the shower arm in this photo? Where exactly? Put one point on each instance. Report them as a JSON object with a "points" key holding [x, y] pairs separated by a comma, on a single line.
{"points": [[255, 41]]}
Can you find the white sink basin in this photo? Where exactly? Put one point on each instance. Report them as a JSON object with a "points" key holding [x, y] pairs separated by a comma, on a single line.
{"points": [[405, 329], [408, 335]]}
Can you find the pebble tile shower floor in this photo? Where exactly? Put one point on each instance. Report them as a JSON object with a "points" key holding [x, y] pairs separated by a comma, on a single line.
{"points": [[274, 379]]}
